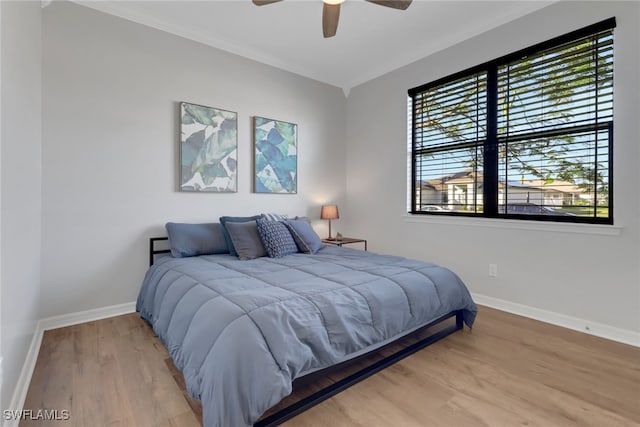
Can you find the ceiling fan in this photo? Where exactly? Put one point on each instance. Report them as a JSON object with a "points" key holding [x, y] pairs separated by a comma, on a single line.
{"points": [[331, 11]]}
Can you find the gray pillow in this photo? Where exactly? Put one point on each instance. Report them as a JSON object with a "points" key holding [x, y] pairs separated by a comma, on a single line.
{"points": [[188, 240], [246, 239], [305, 237], [224, 220]]}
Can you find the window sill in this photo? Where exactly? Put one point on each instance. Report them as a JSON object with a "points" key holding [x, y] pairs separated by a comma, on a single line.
{"points": [[507, 224]]}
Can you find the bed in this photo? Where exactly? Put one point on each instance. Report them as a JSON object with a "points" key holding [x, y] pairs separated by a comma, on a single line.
{"points": [[241, 331]]}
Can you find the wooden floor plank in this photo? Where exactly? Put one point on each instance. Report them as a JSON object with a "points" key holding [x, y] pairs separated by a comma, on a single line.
{"points": [[507, 371]]}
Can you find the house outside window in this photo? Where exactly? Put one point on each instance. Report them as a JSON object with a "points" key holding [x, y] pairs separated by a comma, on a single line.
{"points": [[526, 136]]}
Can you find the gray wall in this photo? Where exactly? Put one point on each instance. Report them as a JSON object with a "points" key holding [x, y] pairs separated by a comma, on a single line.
{"points": [[21, 184], [562, 269], [111, 90]]}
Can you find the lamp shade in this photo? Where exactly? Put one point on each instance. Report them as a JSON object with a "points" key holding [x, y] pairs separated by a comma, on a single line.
{"points": [[329, 212]]}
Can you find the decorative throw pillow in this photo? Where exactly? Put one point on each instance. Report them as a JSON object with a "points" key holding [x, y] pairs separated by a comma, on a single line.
{"points": [[188, 240], [224, 220], [246, 240], [274, 217], [276, 238], [303, 234]]}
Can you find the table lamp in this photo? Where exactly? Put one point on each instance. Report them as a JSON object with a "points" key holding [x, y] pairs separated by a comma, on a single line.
{"points": [[329, 212]]}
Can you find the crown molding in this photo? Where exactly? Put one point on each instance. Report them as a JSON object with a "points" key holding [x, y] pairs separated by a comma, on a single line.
{"points": [[120, 10], [126, 11], [443, 43]]}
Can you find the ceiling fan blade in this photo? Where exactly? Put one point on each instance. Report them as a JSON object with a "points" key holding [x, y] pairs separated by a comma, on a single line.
{"points": [[395, 4], [330, 18], [264, 2]]}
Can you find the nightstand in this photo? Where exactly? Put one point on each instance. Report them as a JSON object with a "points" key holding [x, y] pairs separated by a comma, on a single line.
{"points": [[345, 241]]}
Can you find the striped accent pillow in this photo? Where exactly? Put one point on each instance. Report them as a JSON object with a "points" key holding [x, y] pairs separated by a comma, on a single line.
{"points": [[274, 217]]}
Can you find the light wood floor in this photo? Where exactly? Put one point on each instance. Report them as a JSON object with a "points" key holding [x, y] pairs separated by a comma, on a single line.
{"points": [[509, 371]]}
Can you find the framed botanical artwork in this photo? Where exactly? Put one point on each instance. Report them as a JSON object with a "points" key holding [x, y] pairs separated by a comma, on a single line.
{"points": [[208, 149], [275, 156]]}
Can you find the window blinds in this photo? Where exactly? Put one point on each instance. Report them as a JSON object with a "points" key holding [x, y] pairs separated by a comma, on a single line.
{"points": [[526, 136]]}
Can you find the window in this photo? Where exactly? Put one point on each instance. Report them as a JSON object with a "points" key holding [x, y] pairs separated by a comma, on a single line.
{"points": [[527, 136]]}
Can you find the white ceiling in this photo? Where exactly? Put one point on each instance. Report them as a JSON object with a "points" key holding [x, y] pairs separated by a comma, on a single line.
{"points": [[371, 40]]}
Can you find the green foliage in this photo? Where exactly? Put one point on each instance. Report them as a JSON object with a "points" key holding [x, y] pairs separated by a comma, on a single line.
{"points": [[542, 93]]}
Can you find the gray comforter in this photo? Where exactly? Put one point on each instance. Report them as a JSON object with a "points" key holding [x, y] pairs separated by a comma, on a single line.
{"points": [[242, 331]]}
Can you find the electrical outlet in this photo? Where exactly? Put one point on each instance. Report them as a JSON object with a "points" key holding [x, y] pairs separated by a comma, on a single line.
{"points": [[493, 270]]}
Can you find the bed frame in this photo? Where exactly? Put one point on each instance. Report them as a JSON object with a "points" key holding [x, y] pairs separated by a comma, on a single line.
{"points": [[153, 251], [302, 405]]}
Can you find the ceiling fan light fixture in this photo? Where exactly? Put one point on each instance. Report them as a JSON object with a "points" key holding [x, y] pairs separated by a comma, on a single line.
{"points": [[331, 11]]}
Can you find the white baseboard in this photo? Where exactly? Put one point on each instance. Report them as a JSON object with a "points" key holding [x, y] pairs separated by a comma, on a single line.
{"points": [[20, 392], [61, 321], [54, 322], [593, 328]]}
